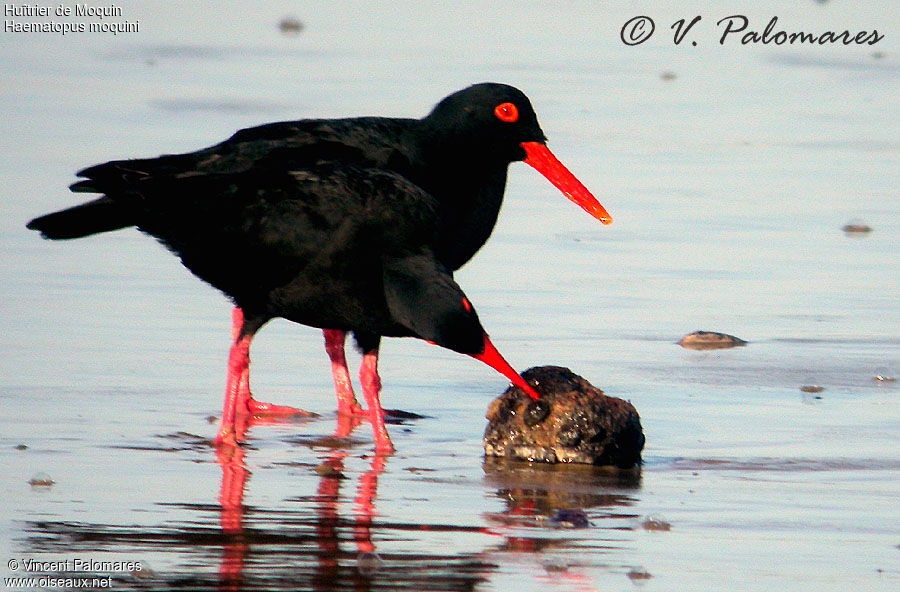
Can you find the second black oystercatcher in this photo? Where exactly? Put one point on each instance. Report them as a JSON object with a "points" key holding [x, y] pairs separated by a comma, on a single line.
{"points": [[350, 225]]}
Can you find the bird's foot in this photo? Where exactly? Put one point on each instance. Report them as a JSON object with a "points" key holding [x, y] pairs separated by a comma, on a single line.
{"points": [[352, 409], [255, 407]]}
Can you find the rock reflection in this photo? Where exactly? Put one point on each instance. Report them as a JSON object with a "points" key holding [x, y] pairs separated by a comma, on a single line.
{"points": [[539, 495], [550, 509], [541, 489]]}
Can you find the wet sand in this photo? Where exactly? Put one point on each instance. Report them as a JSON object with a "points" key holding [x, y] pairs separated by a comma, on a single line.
{"points": [[729, 183]]}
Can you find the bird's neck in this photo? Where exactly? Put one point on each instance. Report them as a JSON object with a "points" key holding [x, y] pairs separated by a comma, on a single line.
{"points": [[468, 179], [470, 204]]}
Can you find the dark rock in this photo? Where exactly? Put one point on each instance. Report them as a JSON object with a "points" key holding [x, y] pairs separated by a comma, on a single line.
{"points": [[573, 421]]}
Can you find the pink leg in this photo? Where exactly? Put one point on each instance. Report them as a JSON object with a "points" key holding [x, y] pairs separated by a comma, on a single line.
{"points": [[238, 360], [243, 393], [343, 389], [371, 385], [244, 398], [244, 401]]}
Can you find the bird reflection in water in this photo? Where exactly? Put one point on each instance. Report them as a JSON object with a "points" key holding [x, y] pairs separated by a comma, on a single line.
{"points": [[328, 525], [564, 522]]}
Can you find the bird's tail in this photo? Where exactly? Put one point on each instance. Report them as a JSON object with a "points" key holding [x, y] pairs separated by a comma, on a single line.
{"points": [[99, 215]]}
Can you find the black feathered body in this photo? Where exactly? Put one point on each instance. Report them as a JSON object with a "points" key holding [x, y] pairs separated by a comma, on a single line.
{"points": [[286, 230], [352, 224]]}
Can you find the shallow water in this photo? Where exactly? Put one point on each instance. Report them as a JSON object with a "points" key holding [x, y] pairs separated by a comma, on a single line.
{"points": [[728, 183]]}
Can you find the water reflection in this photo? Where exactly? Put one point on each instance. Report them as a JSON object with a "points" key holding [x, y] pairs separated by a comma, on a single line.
{"points": [[328, 539], [231, 501], [330, 569], [552, 487], [555, 514]]}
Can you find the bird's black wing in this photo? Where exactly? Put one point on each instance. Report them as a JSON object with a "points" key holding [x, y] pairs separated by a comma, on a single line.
{"points": [[127, 185], [363, 141]]}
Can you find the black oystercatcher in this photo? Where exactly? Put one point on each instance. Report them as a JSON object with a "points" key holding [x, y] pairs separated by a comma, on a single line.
{"points": [[347, 225]]}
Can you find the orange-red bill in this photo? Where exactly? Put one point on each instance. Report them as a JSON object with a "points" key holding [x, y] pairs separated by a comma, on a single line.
{"points": [[492, 358], [540, 157]]}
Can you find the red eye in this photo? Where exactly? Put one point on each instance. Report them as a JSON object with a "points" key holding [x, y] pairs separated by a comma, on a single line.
{"points": [[506, 112]]}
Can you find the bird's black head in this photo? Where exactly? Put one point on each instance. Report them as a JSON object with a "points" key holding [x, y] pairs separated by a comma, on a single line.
{"points": [[459, 329], [485, 120], [489, 125], [422, 297]]}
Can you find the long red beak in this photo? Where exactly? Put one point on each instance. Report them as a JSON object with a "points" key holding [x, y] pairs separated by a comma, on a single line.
{"points": [[540, 157], [492, 358]]}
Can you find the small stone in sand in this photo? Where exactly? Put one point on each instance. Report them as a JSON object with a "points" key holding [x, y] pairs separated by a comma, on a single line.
{"points": [[710, 340], [668, 75], [656, 524], [21, 447], [811, 388], [290, 26], [856, 227], [638, 573], [41, 480]]}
